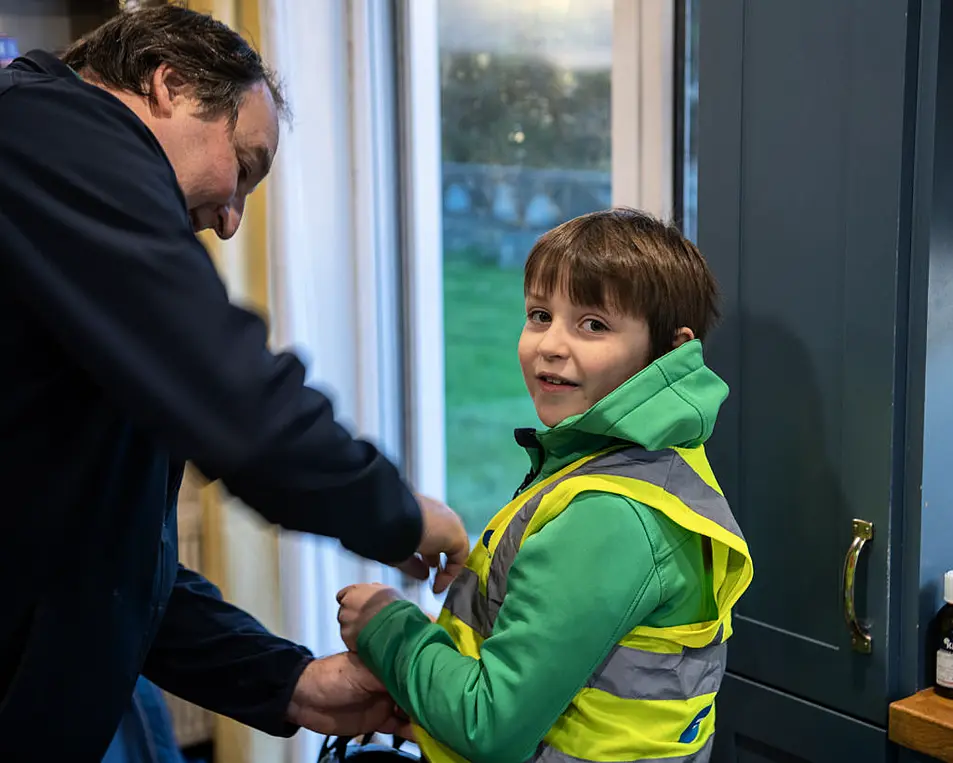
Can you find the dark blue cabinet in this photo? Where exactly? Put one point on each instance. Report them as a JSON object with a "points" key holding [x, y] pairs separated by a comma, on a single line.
{"points": [[820, 206]]}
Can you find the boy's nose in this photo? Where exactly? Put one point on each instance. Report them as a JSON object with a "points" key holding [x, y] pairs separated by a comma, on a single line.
{"points": [[553, 343]]}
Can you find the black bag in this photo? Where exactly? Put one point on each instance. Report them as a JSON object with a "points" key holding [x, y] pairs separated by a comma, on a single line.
{"points": [[340, 749]]}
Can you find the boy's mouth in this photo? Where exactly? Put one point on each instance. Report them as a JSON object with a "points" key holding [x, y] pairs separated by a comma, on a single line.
{"points": [[555, 382]]}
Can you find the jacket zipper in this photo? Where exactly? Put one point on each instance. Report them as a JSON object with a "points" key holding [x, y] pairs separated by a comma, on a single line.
{"points": [[526, 438]]}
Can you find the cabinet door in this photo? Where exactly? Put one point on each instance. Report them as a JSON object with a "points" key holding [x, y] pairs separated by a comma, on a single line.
{"points": [[760, 725], [801, 138]]}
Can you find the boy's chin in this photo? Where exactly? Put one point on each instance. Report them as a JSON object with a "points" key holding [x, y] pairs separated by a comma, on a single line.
{"points": [[552, 416]]}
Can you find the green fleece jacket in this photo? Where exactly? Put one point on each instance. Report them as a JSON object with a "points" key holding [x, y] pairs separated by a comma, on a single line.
{"points": [[604, 566]]}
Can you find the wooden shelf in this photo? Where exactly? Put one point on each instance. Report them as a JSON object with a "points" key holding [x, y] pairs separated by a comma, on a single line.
{"points": [[924, 723]]}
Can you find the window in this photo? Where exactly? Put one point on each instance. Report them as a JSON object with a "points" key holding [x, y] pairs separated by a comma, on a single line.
{"points": [[686, 154], [526, 145], [479, 124]]}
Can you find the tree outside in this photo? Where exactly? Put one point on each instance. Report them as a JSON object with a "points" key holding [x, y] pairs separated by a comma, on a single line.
{"points": [[528, 143]]}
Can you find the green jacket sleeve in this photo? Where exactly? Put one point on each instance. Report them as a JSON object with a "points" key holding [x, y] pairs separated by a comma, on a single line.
{"points": [[576, 587]]}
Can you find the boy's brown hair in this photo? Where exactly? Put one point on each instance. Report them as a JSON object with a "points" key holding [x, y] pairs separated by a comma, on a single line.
{"points": [[625, 260]]}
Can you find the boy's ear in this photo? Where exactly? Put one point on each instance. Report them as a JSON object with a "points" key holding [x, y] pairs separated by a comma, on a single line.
{"points": [[682, 335]]}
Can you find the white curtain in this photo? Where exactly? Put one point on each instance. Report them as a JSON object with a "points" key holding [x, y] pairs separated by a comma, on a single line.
{"points": [[317, 277]]}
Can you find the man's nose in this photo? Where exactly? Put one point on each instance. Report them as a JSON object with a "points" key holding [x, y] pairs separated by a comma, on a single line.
{"points": [[229, 218]]}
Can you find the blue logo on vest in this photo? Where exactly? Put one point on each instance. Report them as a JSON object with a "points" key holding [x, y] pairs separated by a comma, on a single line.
{"points": [[486, 538], [690, 734]]}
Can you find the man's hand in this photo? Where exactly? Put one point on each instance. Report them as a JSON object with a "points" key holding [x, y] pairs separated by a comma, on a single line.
{"points": [[358, 605], [443, 534], [339, 696]]}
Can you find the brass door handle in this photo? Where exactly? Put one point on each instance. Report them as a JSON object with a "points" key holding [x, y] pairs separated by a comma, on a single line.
{"points": [[859, 637]]}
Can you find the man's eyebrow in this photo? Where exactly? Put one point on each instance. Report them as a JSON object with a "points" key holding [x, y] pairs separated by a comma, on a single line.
{"points": [[262, 158], [259, 161]]}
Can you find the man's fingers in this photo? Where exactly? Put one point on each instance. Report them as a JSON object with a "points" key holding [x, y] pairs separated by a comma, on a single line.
{"points": [[415, 567], [406, 732], [458, 556], [419, 568], [399, 727], [446, 576], [454, 567]]}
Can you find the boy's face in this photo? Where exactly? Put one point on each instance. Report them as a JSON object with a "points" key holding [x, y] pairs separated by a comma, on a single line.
{"points": [[573, 356]]}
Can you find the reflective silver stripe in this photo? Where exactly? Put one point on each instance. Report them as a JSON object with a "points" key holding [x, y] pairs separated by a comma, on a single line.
{"points": [[668, 470], [547, 754], [638, 674], [465, 601], [664, 468], [503, 556], [506, 549], [509, 544]]}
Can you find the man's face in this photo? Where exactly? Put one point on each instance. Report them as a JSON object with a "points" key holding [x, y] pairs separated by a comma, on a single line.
{"points": [[218, 163]]}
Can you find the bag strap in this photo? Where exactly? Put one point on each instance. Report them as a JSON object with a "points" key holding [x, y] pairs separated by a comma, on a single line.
{"points": [[338, 745]]}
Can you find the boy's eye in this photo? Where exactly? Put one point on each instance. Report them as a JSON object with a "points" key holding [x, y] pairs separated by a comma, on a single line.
{"points": [[594, 325], [538, 316]]}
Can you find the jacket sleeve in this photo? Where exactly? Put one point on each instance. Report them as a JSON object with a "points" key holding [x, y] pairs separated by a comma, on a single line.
{"points": [[576, 587], [97, 241], [221, 658]]}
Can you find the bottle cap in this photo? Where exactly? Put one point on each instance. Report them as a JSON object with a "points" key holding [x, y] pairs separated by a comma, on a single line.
{"points": [[948, 587]]}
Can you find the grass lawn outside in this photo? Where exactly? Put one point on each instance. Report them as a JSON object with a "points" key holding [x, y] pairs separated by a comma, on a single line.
{"points": [[485, 395]]}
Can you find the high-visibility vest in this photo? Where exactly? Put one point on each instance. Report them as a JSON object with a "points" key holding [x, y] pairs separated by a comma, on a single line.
{"points": [[653, 697]]}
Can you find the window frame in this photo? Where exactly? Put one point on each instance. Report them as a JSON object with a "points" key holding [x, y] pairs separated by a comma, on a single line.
{"points": [[421, 195], [643, 106], [356, 198], [643, 118]]}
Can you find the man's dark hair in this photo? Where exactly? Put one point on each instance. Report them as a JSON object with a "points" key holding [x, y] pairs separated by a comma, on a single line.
{"points": [[215, 62], [630, 261]]}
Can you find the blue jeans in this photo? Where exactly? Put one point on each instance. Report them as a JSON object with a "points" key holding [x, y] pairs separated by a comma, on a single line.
{"points": [[145, 734]]}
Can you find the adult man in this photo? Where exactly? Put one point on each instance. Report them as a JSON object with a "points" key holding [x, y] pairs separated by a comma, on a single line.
{"points": [[124, 358]]}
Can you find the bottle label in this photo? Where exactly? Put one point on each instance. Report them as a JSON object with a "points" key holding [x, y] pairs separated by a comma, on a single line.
{"points": [[944, 668]]}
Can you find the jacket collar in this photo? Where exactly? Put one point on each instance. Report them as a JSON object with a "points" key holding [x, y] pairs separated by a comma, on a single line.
{"points": [[41, 62]]}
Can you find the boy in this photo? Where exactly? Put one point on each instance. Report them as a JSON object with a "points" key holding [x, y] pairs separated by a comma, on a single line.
{"points": [[589, 623]]}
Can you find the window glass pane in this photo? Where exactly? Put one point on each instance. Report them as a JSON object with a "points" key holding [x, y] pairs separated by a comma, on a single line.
{"points": [[526, 145]]}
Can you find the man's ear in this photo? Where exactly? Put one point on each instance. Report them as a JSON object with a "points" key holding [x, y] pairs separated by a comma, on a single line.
{"points": [[682, 335], [167, 90]]}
